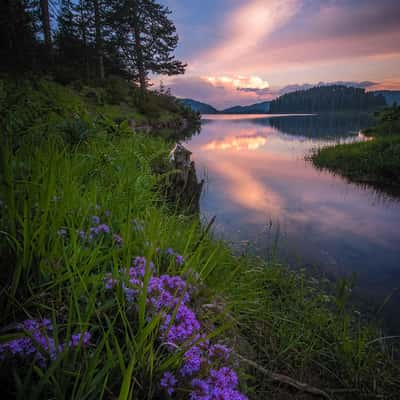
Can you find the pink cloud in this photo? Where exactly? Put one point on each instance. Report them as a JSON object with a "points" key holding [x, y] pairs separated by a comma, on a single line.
{"points": [[262, 46], [279, 36], [244, 30]]}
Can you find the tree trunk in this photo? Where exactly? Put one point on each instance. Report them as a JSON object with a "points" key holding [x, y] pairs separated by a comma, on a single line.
{"points": [[139, 50], [99, 39], [44, 5], [85, 43]]}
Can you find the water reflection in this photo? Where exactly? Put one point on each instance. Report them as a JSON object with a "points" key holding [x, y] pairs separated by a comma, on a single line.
{"points": [[257, 178], [237, 143]]}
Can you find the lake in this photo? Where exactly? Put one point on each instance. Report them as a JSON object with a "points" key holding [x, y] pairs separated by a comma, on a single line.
{"points": [[269, 200]]}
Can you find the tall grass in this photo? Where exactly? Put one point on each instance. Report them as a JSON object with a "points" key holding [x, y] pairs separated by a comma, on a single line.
{"points": [[50, 190], [375, 162]]}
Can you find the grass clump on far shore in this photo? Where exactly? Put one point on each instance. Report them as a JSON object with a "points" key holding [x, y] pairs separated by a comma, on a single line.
{"points": [[108, 293], [375, 161]]}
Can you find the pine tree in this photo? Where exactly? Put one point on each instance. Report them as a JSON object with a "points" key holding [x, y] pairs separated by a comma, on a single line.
{"points": [[147, 38], [99, 37], [76, 36], [45, 17], [17, 35]]}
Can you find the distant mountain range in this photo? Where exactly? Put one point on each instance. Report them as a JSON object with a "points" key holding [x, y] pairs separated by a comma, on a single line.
{"points": [[198, 106], [203, 108], [258, 108], [391, 97]]}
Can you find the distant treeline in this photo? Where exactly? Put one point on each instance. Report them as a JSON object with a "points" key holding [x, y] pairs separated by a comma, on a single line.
{"points": [[327, 99]]}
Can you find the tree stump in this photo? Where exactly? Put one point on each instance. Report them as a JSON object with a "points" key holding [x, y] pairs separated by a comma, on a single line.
{"points": [[184, 189]]}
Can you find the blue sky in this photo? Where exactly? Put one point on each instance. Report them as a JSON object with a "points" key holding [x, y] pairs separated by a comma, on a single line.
{"points": [[244, 51]]}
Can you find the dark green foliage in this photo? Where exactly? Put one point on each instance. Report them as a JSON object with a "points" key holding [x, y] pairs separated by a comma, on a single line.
{"points": [[30, 109], [34, 109], [388, 123], [281, 319], [75, 130], [117, 90], [375, 162], [327, 99], [88, 40], [18, 45], [198, 106], [147, 38]]}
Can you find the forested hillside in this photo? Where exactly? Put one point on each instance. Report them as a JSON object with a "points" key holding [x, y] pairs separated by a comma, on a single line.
{"points": [[88, 40], [327, 99]]}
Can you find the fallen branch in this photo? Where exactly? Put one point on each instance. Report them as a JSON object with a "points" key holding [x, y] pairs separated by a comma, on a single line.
{"points": [[304, 387]]}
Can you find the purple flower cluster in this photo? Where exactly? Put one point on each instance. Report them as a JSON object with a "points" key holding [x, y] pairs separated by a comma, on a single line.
{"points": [[38, 343], [220, 384], [96, 231], [179, 260], [205, 368], [168, 382]]}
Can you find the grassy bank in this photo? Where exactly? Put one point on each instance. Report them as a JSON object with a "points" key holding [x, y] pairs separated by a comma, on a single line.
{"points": [[375, 162], [82, 196]]}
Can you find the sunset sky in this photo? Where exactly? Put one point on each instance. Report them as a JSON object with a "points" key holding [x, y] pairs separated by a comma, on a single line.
{"points": [[246, 51]]}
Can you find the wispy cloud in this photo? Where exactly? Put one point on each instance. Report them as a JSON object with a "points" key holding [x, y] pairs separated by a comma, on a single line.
{"points": [[244, 29], [243, 51]]}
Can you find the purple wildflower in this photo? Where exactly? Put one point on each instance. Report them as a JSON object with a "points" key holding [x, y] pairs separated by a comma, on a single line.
{"points": [[168, 382], [206, 364], [192, 362], [224, 377], [110, 282], [80, 338], [130, 294], [201, 390], [118, 240], [95, 220], [179, 259], [219, 352], [93, 231], [39, 345], [103, 228]]}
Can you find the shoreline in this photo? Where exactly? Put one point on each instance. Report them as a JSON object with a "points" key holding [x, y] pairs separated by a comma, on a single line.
{"points": [[88, 209]]}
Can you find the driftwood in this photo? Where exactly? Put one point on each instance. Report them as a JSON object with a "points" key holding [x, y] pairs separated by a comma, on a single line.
{"points": [[304, 387]]}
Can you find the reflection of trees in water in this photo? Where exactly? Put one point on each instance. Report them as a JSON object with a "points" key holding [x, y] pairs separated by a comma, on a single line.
{"points": [[324, 125]]}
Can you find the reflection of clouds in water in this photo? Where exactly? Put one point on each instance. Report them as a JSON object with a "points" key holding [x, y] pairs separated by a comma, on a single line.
{"points": [[335, 223], [261, 189], [319, 213], [236, 143], [244, 189]]}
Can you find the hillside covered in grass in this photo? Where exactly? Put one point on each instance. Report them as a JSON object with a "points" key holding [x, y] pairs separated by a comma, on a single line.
{"points": [[109, 292]]}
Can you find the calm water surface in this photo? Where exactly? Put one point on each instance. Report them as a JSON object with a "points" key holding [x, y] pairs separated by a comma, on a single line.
{"points": [[266, 196]]}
